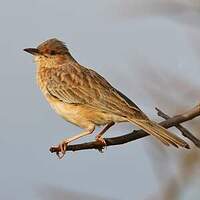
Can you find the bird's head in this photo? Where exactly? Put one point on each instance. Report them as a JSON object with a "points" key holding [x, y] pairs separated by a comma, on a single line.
{"points": [[52, 49]]}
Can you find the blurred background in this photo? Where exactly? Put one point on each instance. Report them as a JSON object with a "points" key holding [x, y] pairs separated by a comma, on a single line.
{"points": [[150, 50]]}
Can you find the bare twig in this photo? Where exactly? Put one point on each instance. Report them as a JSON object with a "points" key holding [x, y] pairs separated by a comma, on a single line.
{"points": [[134, 135], [182, 129]]}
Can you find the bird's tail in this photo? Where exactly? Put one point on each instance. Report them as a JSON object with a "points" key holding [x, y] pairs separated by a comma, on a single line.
{"points": [[159, 132]]}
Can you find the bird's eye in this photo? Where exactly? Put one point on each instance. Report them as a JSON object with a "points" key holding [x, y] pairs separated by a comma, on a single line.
{"points": [[52, 52]]}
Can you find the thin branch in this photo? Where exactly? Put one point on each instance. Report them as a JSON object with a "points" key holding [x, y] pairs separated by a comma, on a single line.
{"points": [[186, 133], [134, 135]]}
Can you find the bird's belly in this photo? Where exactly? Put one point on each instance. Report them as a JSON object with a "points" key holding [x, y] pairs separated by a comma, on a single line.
{"points": [[82, 115]]}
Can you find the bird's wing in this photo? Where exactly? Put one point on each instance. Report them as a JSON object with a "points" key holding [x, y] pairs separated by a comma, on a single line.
{"points": [[79, 85]]}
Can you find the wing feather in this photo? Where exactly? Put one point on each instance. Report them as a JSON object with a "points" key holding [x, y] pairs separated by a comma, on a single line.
{"points": [[85, 86]]}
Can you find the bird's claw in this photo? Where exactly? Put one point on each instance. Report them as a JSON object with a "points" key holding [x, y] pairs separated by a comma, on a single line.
{"points": [[102, 142], [63, 148]]}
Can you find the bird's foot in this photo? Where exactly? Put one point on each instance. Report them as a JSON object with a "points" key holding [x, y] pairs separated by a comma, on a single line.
{"points": [[63, 147], [102, 142]]}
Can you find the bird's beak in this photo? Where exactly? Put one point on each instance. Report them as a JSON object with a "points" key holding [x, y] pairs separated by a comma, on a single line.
{"points": [[32, 51]]}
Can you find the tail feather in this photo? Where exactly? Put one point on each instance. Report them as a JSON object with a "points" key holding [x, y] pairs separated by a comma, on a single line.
{"points": [[160, 133]]}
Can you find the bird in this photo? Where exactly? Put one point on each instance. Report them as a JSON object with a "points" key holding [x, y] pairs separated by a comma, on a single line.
{"points": [[85, 98]]}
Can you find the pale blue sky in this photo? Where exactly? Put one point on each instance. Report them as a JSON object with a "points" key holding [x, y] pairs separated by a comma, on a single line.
{"points": [[143, 55]]}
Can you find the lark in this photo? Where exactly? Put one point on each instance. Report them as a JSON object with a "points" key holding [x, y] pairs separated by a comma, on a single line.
{"points": [[85, 98]]}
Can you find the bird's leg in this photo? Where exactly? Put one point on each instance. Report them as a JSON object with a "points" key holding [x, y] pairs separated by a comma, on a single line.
{"points": [[63, 144], [99, 137]]}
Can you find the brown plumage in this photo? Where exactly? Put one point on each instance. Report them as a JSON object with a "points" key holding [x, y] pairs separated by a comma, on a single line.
{"points": [[83, 97]]}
